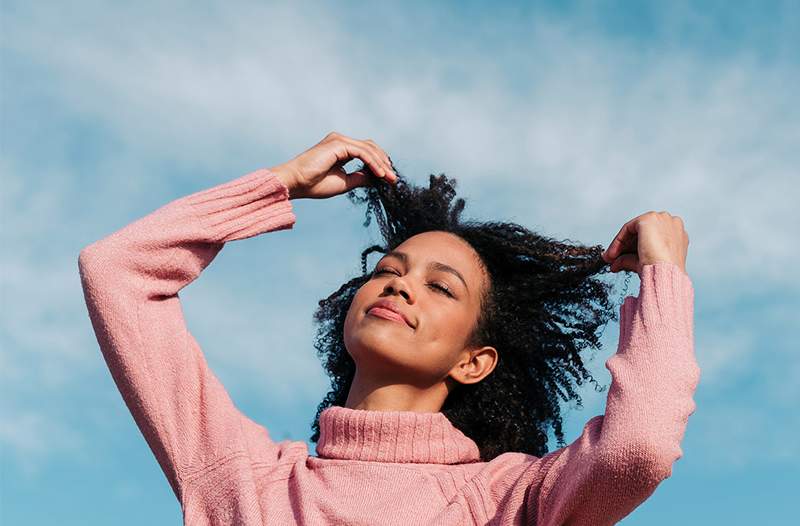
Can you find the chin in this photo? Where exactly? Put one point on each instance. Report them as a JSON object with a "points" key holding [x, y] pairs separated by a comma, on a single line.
{"points": [[377, 336], [378, 345]]}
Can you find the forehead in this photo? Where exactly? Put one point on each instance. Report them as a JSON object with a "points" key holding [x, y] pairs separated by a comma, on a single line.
{"points": [[446, 248]]}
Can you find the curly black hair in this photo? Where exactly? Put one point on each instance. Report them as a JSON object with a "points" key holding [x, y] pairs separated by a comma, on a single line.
{"points": [[544, 304]]}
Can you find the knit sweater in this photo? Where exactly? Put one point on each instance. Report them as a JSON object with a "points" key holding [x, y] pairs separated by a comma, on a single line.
{"points": [[370, 467]]}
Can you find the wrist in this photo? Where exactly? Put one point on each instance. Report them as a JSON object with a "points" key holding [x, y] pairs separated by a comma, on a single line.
{"points": [[287, 176]]}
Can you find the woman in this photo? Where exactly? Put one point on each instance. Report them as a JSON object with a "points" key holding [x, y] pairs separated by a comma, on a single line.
{"points": [[447, 360]]}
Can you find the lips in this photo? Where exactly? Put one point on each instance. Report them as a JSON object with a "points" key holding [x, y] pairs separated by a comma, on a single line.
{"points": [[393, 307]]}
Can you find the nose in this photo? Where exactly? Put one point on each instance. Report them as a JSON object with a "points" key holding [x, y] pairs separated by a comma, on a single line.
{"points": [[398, 285]]}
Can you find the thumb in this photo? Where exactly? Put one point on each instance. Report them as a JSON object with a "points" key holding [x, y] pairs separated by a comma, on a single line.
{"points": [[626, 262], [357, 179]]}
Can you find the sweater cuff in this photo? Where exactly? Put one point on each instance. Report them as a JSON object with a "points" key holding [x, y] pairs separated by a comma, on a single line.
{"points": [[244, 207], [665, 301]]}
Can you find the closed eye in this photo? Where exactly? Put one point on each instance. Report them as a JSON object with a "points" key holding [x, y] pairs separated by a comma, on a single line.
{"points": [[436, 286], [443, 289]]}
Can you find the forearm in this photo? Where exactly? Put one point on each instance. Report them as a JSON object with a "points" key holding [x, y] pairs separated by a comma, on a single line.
{"points": [[168, 248], [654, 372], [622, 456]]}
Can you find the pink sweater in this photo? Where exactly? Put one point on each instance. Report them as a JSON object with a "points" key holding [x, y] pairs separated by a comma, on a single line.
{"points": [[371, 467]]}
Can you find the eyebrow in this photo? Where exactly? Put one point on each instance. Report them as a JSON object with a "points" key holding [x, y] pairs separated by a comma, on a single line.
{"points": [[435, 265]]}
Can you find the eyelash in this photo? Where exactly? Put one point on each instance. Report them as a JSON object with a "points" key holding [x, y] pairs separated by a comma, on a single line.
{"points": [[434, 285]]}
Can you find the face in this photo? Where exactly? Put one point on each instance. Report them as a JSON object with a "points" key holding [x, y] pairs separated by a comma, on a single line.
{"points": [[436, 281]]}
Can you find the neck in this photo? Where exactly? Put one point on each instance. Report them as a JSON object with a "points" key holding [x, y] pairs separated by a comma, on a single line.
{"points": [[374, 395]]}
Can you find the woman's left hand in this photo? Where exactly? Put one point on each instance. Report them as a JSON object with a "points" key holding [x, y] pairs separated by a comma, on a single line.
{"points": [[646, 239]]}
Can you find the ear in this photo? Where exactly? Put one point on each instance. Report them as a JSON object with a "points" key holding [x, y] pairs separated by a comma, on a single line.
{"points": [[475, 365]]}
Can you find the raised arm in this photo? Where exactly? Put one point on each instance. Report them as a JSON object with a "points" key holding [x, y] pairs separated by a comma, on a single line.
{"points": [[622, 456], [131, 281]]}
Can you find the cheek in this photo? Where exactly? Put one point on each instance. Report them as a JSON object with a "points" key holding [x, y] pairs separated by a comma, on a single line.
{"points": [[444, 324], [362, 297], [355, 305], [441, 341], [365, 295]]}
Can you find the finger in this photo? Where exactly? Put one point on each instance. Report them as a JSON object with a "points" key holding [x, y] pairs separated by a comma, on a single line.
{"points": [[363, 153], [386, 169], [339, 183], [624, 240], [380, 154], [361, 178], [387, 161], [357, 179], [625, 262]]}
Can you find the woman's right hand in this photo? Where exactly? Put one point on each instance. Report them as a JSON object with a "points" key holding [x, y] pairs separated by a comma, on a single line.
{"points": [[319, 172]]}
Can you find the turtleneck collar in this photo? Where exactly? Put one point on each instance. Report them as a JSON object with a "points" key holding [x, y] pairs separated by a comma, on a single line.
{"points": [[392, 436]]}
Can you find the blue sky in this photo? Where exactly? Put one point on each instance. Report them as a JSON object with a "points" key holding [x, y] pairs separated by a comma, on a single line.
{"points": [[569, 117]]}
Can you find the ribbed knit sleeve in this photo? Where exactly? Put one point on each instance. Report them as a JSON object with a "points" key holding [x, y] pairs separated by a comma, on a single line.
{"points": [[622, 456], [131, 281]]}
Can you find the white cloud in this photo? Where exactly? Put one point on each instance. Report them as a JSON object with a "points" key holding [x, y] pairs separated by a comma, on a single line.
{"points": [[35, 437], [593, 125], [259, 341], [725, 355], [734, 436]]}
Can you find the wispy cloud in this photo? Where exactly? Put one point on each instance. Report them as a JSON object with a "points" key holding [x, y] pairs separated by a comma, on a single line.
{"points": [[543, 120], [590, 123], [35, 438]]}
